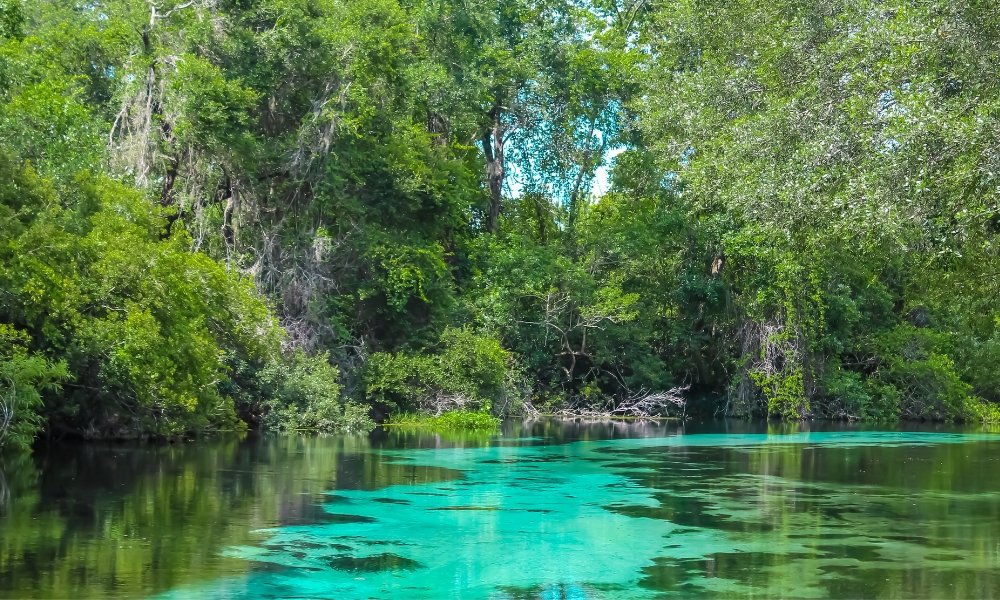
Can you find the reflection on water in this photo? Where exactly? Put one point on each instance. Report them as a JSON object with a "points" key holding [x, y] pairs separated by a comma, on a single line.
{"points": [[548, 510]]}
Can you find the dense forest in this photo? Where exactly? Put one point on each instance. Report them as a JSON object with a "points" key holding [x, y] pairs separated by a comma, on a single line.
{"points": [[316, 214]]}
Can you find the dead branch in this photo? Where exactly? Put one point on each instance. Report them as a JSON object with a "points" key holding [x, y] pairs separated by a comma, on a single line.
{"points": [[641, 405]]}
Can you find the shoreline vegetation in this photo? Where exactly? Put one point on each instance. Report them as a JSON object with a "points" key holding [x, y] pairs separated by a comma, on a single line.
{"points": [[319, 215], [457, 420]]}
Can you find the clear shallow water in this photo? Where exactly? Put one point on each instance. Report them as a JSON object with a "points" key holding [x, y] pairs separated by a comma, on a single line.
{"points": [[548, 510]]}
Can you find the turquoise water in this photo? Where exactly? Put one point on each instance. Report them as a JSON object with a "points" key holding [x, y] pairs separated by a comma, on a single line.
{"points": [[580, 512], [628, 518]]}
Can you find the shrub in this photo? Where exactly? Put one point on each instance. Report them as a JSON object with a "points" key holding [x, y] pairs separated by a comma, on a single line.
{"points": [[468, 371], [848, 396], [784, 392], [146, 327], [23, 376], [302, 393], [917, 363]]}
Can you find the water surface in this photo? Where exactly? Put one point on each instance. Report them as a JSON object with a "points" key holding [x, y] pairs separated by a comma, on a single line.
{"points": [[545, 510]]}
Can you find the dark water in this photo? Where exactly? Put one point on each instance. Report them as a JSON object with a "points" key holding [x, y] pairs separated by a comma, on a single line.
{"points": [[548, 510]]}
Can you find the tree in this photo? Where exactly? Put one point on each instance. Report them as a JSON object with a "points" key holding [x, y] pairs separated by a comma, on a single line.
{"points": [[844, 150]]}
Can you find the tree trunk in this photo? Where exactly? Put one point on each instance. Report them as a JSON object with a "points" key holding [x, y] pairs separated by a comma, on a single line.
{"points": [[167, 195], [494, 151], [232, 203]]}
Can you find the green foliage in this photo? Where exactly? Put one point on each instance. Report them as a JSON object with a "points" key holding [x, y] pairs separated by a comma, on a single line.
{"points": [[11, 19], [784, 392], [145, 333], [214, 111], [24, 376], [143, 325], [48, 123], [801, 218], [851, 397], [843, 166], [917, 364], [592, 313], [411, 274], [302, 393], [453, 420], [467, 369]]}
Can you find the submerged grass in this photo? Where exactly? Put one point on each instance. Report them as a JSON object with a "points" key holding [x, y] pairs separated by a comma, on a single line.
{"points": [[456, 420]]}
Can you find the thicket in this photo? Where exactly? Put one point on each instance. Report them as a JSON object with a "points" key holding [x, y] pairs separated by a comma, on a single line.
{"points": [[305, 214]]}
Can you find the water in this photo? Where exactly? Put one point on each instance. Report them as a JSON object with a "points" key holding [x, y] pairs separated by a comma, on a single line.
{"points": [[548, 510]]}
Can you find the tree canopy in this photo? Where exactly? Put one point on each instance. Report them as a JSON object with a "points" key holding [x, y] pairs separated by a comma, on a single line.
{"points": [[302, 213]]}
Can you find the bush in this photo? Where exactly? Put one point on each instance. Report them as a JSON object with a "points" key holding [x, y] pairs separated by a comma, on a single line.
{"points": [[467, 371], [848, 396], [23, 376], [302, 393], [784, 392], [147, 331], [916, 362]]}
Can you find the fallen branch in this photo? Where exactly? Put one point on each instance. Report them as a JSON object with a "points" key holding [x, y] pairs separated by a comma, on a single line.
{"points": [[642, 406]]}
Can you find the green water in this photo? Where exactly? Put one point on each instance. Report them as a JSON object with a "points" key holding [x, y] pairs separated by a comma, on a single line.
{"points": [[546, 510]]}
